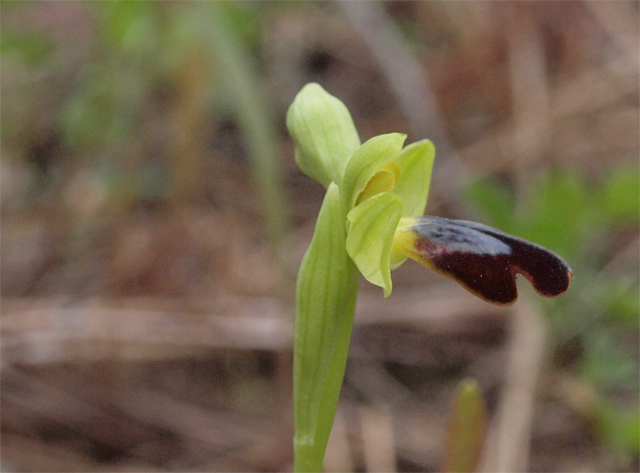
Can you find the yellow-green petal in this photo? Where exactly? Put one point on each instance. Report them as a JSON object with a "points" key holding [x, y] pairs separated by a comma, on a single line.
{"points": [[369, 241], [416, 163], [385, 180], [365, 163]]}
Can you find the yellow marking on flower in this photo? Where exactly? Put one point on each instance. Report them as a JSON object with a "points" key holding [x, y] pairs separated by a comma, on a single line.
{"points": [[384, 180], [404, 242], [396, 258]]}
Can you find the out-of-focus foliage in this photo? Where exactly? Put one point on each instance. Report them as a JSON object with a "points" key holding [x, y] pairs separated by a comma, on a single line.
{"points": [[592, 225], [125, 83]]}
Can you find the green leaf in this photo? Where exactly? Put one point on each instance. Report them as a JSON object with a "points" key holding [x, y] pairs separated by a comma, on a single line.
{"points": [[333, 386], [29, 47], [619, 427], [621, 195], [323, 132], [326, 295], [416, 163], [494, 203], [607, 361], [618, 299], [373, 224], [556, 213], [129, 26], [366, 162]]}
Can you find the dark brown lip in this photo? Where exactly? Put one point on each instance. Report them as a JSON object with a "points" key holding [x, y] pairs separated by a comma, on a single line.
{"points": [[485, 260]]}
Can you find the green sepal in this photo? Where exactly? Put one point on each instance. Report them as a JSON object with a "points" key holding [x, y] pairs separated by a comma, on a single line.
{"points": [[366, 162], [323, 132], [326, 293], [370, 237], [416, 163]]}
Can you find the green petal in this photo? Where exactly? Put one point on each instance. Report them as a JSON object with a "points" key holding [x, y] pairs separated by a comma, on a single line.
{"points": [[416, 163], [323, 132], [373, 224], [366, 162]]}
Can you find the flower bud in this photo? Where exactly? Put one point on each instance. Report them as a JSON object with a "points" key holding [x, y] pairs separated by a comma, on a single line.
{"points": [[323, 132]]}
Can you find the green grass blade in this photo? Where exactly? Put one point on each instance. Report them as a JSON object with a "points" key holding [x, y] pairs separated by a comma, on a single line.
{"points": [[467, 427], [257, 124]]}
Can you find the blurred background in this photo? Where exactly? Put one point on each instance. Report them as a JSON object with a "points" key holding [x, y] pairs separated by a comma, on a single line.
{"points": [[153, 221]]}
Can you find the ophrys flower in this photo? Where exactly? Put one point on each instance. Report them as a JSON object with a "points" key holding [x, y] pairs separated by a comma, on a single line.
{"points": [[384, 189], [370, 221]]}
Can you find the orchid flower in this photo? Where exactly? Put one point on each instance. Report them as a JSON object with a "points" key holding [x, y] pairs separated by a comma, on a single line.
{"points": [[370, 222]]}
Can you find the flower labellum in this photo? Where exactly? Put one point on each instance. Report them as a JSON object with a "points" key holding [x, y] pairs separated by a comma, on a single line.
{"points": [[482, 259]]}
